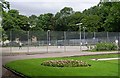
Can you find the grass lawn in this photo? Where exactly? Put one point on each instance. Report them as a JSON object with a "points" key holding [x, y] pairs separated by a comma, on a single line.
{"points": [[33, 68]]}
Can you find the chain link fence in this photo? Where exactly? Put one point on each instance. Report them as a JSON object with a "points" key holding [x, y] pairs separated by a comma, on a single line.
{"points": [[55, 41]]}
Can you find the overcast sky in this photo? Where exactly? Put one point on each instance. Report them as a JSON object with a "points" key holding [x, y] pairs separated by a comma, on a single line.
{"points": [[37, 7]]}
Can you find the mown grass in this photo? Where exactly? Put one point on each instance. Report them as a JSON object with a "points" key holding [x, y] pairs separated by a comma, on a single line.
{"points": [[33, 68]]}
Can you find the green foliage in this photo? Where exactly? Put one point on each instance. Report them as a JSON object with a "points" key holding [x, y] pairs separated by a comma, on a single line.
{"points": [[91, 22], [105, 47], [3, 33], [23, 22], [109, 16], [66, 11], [63, 18], [9, 21], [45, 22], [4, 5], [102, 17], [13, 13]]}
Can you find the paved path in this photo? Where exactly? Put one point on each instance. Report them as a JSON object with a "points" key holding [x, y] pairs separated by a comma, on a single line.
{"points": [[46, 55]]}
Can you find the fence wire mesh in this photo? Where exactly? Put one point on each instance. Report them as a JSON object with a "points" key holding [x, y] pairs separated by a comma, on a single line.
{"points": [[55, 41]]}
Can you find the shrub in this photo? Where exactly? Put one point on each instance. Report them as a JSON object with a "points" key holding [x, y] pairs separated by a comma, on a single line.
{"points": [[105, 47], [65, 63]]}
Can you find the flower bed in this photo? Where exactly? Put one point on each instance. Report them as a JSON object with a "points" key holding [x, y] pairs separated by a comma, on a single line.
{"points": [[65, 63]]}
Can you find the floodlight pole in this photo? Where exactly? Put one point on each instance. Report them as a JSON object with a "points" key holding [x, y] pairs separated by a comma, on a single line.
{"points": [[28, 42], [48, 39], [64, 41], [11, 41], [28, 37], [79, 24]]}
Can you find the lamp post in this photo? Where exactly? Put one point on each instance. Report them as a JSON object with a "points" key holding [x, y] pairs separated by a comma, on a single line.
{"points": [[119, 41], [49, 37], [79, 24], [28, 36]]}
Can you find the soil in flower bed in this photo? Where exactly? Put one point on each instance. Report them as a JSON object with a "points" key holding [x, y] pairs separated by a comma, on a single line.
{"points": [[9, 74], [65, 63]]}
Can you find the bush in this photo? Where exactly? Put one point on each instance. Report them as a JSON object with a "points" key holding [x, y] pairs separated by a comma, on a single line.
{"points": [[105, 47], [65, 63]]}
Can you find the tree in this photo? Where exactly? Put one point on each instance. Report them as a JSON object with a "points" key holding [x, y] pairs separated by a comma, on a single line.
{"points": [[61, 24], [74, 19], [109, 14], [66, 11], [13, 13], [10, 20], [4, 35], [45, 21], [33, 21], [91, 23], [15, 24], [102, 17], [23, 22], [62, 19], [4, 5], [7, 22], [113, 19]]}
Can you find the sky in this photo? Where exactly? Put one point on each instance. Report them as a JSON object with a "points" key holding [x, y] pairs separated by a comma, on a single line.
{"points": [[37, 7]]}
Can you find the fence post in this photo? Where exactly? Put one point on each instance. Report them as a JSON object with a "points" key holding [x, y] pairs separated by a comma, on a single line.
{"points": [[64, 41], [11, 41], [118, 41], [107, 37], [28, 41], [80, 42], [94, 35], [47, 41]]}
